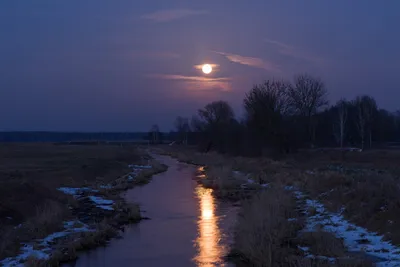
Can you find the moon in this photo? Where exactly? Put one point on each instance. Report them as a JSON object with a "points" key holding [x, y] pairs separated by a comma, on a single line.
{"points": [[207, 69]]}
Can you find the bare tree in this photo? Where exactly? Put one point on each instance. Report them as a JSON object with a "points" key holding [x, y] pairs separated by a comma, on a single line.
{"points": [[266, 104], [370, 110], [307, 95], [367, 109], [342, 116], [196, 124], [217, 112], [155, 133], [306, 98], [214, 122], [361, 121], [182, 127]]}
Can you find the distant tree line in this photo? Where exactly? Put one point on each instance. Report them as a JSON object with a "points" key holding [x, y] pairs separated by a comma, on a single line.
{"points": [[281, 117], [42, 136]]}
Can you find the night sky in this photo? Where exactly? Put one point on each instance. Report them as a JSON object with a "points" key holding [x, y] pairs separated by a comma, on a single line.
{"points": [[124, 65]]}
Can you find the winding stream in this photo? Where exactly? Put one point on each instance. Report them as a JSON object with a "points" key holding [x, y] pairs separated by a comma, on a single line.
{"points": [[187, 226]]}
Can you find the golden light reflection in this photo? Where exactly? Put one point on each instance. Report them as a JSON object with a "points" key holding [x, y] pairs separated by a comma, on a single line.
{"points": [[200, 171], [209, 251]]}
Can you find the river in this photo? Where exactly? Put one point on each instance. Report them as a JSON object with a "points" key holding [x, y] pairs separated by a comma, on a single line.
{"points": [[187, 226]]}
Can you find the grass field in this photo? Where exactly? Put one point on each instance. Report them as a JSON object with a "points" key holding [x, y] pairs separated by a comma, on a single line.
{"points": [[310, 208], [32, 206]]}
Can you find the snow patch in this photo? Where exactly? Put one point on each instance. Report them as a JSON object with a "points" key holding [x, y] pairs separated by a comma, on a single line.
{"points": [[250, 181], [140, 166], [76, 191], [26, 252], [102, 203], [289, 187], [69, 228], [44, 253], [356, 239], [105, 207]]}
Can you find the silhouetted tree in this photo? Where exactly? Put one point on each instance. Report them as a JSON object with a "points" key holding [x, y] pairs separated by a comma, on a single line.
{"points": [[182, 127], [279, 117], [214, 122], [154, 134], [306, 97], [266, 105], [367, 109], [341, 107]]}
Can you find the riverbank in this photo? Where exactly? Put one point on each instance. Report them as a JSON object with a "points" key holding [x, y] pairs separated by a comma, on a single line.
{"points": [[328, 212], [188, 226], [57, 200]]}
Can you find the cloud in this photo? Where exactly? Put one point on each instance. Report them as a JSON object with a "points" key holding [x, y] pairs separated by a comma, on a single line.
{"points": [[292, 51], [250, 61], [172, 14], [198, 82], [189, 78]]}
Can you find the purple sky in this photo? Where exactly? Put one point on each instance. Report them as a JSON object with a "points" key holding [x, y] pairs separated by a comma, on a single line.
{"points": [[101, 65]]}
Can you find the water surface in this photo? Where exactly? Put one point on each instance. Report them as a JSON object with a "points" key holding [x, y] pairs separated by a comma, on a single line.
{"points": [[188, 227]]}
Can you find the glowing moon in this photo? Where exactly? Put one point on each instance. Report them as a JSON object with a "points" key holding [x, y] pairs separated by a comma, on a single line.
{"points": [[206, 68]]}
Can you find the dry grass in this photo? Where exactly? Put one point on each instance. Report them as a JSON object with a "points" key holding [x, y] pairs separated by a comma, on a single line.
{"points": [[263, 233], [259, 238], [99, 237], [35, 262], [323, 244], [127, 213], [81, 242], [30, 175], [144, 176], [190, 155], [370, 196], [48, 219], [267, 235], [221, 178]]}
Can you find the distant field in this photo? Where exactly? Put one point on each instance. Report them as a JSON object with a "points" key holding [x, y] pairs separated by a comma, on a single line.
{"points": [[30, 173], [31, 207]]}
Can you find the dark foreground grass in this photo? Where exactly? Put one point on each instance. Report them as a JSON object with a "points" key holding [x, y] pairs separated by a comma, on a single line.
{"points": [[362, 185], [31, 207], [264, 232], [269, 232]]}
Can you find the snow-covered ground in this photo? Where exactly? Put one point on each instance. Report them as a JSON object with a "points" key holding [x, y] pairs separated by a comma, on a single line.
{"points": [[76, 191], [140, 167], [355, 238], [41, 249], [102, 203]]}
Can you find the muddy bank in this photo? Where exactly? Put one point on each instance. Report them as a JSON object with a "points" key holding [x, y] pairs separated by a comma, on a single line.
{"points": [[187, 226]]}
